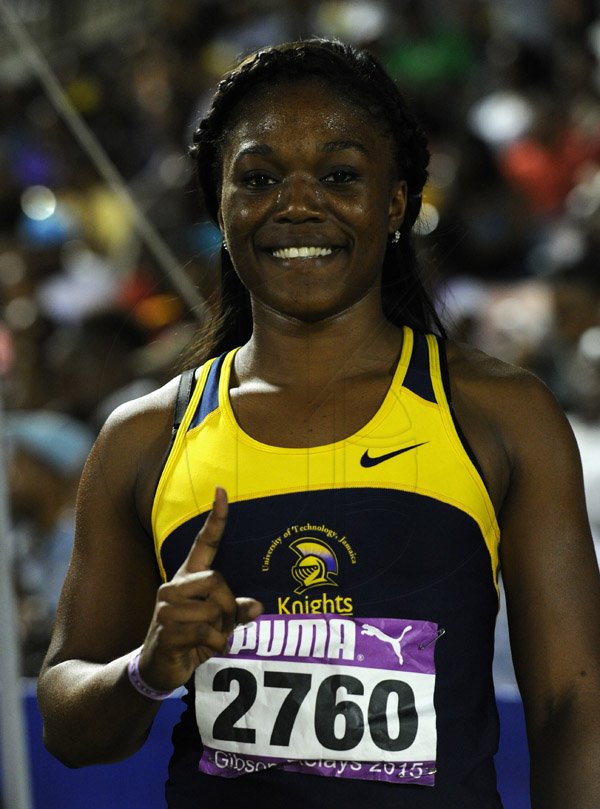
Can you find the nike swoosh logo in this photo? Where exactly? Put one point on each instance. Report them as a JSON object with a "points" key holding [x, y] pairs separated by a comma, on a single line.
{"points": [[367, 460]]}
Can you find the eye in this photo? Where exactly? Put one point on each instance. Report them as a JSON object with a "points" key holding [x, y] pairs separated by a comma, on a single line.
{"points": [[340, 176], [257, 179]]}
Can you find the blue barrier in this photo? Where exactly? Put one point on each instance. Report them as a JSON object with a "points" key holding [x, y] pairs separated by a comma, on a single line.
{"points": [[139, 780]]}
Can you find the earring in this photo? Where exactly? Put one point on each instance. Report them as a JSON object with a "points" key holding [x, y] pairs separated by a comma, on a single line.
{"points": [[396, 237], [224, 246]]}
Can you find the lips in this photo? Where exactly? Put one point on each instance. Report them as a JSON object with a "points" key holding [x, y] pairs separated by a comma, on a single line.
{"points": [[301, 252]]}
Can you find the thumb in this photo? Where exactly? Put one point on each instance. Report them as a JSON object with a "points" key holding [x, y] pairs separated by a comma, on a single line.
{"points": [[247, 609], [207, 541]]}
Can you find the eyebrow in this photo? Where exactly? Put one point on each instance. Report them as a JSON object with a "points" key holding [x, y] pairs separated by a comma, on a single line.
{"points": [[342, 145], [330, 146], [255, 148]]}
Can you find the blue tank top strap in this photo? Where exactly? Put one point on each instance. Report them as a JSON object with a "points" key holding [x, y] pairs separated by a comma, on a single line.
{"points": [[209, 400], [182, 400], [444, 369], [418, 375], [184, 394], [447, 390]]}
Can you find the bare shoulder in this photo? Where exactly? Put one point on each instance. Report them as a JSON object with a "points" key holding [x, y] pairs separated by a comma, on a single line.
{"points": [[470, 365], [510, 418], [154, 405], [131, 447], [139, 426], [506, 392]]}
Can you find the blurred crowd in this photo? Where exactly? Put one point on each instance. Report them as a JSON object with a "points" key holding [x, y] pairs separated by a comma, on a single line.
{"points": [[90, 316]]}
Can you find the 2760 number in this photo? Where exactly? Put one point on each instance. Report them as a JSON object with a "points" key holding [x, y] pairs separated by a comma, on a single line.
{"points": [[339, 723]]}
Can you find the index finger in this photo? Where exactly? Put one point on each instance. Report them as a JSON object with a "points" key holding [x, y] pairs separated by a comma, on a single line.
{"points": [[207, 541]]}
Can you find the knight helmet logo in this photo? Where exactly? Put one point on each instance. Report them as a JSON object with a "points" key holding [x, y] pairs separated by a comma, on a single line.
{"points": [[316, 565]]}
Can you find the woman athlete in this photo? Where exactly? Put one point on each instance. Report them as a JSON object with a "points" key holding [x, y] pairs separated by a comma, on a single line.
{"points": [[307, 531]]}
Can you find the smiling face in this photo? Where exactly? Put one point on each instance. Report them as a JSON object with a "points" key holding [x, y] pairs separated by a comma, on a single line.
{"points": [[308, 200]]}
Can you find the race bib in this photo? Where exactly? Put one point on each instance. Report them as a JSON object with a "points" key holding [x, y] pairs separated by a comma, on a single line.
{"points": [[322, 694]]}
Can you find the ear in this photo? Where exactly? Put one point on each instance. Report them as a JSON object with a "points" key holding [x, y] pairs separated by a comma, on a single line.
{"points": [[397, 209], [220, 221]]}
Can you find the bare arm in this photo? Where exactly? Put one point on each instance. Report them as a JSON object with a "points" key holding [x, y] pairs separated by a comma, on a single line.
{"points": [[531, 464], [90, 712], [553, 601], [111, 605]]}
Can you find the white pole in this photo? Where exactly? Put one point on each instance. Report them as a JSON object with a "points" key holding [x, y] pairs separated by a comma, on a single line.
{"points": [[15, 761]]}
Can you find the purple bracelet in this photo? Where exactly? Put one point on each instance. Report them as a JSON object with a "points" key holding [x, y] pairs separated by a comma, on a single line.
{"points": [[135, 678]]}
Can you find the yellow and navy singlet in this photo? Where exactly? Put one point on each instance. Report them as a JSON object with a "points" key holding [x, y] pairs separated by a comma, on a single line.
{"points": [[376, 559]]}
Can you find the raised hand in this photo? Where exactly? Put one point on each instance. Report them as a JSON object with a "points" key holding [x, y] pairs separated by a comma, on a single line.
{"points": [[195, 611]]}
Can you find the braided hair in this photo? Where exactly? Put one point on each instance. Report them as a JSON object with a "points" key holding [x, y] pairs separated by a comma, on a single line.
{"points": [[360, 79]]}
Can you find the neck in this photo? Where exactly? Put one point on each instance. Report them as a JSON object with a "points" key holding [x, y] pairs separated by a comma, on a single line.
{"points": [[286, 351]]}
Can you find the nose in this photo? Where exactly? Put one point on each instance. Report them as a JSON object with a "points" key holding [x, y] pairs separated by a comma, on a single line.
{"points": [[299, 200]]}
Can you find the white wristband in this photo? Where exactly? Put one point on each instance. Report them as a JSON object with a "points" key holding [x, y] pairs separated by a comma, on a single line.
{"points": [[135, 678]]}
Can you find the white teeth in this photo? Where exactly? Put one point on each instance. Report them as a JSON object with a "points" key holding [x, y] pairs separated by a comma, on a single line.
{"points": [[302, 252]]}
